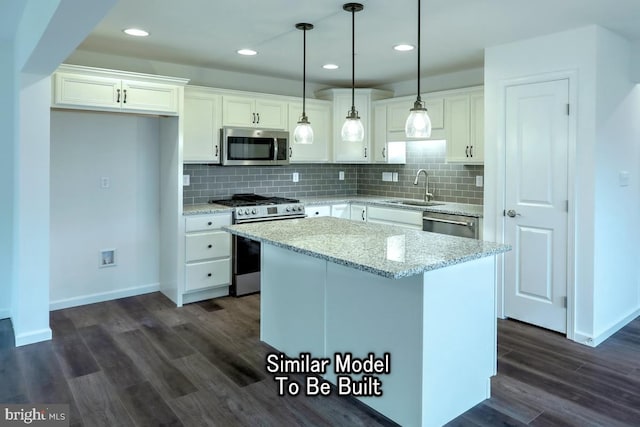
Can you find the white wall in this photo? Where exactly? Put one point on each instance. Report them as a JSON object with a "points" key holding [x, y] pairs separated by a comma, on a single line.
{"points": [[454, 80], [617, 208], [8, 142], [580, 53], [86, 218]]}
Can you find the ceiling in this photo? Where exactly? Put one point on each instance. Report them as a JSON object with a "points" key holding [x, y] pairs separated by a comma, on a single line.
{"points": [[207, 33]]}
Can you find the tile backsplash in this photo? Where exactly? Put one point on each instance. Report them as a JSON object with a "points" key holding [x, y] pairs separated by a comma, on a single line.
{"points": [[217, 182], [448, 182]]}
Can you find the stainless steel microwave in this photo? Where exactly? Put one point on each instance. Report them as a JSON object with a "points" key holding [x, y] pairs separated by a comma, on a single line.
{"points": [[248, 146]]}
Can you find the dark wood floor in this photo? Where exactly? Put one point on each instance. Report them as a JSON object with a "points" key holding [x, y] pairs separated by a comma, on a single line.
{"points": [[142, 361]]}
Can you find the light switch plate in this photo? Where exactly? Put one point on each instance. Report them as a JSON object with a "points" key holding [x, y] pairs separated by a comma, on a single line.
{"points": [[387, 176], [186, 180], [395, 177], [341, 175], [105, 182], [296, 177], [623, 178], [479, 181]]}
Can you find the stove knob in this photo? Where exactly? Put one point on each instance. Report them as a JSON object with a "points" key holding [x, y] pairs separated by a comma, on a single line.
{"points": [[247, 211], [254, 210], [288, 209], [239, 212], [300, 208]]}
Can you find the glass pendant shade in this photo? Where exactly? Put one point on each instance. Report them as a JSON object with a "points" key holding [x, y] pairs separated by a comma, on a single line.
{"points": [[303, 134], [352, 130], [418, 124]]}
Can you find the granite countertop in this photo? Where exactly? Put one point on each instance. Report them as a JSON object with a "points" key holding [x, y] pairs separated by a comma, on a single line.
{"points": [[446, 207], [385, 250], [205, 208]]}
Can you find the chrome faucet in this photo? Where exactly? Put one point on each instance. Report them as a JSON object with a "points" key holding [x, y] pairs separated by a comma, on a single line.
{"points": [[427, 196]]}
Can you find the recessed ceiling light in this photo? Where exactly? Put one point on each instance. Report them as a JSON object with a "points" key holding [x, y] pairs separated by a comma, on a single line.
{"points": [[247, 52], [330, 66], [404, 47], [137, 32]]}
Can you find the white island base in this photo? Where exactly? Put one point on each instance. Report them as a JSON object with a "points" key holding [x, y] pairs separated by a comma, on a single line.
{"points": [[438, 326]]}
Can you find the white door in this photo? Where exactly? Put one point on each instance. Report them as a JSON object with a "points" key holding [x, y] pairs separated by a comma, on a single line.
{"points": [[536, 200]]}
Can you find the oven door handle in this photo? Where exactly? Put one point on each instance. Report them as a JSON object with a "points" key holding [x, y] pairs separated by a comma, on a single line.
{"points": [[271, 218], [448, 221]]}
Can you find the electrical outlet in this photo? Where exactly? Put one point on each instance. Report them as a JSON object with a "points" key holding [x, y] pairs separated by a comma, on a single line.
{"points": [[395, 177], [387, 176], [479, 181], [296, 177], [623, 178], [107, 258], [105, 182], [186, 180], [341, 175]]}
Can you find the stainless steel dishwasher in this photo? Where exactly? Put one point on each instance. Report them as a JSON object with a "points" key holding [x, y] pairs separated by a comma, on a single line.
{"points": [[453, 225]]}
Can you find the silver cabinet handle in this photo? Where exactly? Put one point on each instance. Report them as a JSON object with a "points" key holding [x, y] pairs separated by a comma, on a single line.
{"points": [[363, 218], [365, 152], [471, 151], [118, 99], [258, 116], [447, 221], [384, 155], [216, 151], [290, 152], [466, 151], [124, 101]]}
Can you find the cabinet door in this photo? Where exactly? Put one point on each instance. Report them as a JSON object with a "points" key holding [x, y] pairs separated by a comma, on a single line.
{"points": [[457, 113], [78, 91], [398, 112], [319, 115], [358, 213], [271, 114], [400, 217], [380, 115], [209, 274], [477, 128], [351, 151], [201, 246], [202, 121], [341, 211], [149, 97], [238, 111]]}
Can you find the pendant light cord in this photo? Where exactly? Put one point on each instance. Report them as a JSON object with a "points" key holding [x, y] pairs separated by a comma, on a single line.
{"points": [[304, 71], [353, 59], [419, 99]]}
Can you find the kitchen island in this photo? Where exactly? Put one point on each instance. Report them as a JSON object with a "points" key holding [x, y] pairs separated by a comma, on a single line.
{"points": [[419, 306]]}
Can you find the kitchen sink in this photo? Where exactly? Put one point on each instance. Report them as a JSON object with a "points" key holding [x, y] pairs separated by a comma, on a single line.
{"points": [[414, 203]]}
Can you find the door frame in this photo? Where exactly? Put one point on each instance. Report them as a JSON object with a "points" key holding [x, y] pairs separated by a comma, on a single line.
{"points": [[500, 192]]}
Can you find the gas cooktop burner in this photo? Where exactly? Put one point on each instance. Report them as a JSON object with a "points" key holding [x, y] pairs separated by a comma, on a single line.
{"points": [[250, 199]]}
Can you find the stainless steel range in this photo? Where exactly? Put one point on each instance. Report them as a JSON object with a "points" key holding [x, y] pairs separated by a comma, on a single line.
{"points": [[246, 252]]}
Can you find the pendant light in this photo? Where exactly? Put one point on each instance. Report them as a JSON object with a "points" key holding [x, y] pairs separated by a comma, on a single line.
{"points": [[418, 124], [303, 133], [352, 130]]}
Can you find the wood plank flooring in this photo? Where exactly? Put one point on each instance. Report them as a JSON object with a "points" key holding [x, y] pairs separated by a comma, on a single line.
{"points": [[141, 361]]}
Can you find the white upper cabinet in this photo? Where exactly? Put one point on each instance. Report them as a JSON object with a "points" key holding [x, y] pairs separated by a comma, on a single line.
{"points": [[87, 88], [352, 152], [464, 124], [202, 120], [251, 111], [319, 114]]}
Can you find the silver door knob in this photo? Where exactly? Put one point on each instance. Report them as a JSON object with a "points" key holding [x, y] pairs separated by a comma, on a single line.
{"points": [[512, 214]]}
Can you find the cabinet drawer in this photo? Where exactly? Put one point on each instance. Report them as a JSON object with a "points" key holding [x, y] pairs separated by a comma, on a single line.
{"points": [[208, 274], [402, 217], [206, 222], [202, 246]]}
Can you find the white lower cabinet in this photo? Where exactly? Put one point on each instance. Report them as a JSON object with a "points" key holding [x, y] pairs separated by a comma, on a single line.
{"points": [[391, 216], [358, 213], [341, 211], [207, 252]]}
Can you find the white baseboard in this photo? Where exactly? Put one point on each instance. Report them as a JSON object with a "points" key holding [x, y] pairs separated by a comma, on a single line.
{"points": [[33, 337], [5, 313], [103, 296], [207, 294], [594, 341]]}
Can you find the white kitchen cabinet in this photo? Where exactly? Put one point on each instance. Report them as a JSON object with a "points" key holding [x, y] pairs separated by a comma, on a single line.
{"points": [[384, 149], [393, 216], [252, 111], [313, 211], [342, 210], [86, 88], [202, 120], [207, 253], [464, 124], [319, 114], [358, 212], [352, 152]]}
